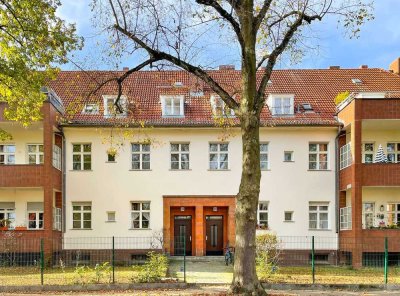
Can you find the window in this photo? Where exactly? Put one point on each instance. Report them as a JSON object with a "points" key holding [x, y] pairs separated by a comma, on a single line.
{"points": [[219, 108], [57, 157], [91, 109], [7, 154], [81, 215], [263, 214], [57, 214], [318, 216], [81, 157], [368, 214], [35, 215], [288, 156], [218, 156], [368, 150], [110, 109], [140, 215], [172, 105], [281, 104], [110, 216], [110, 157], [288, 216], [318, 156], [35, 153], [345, 156], [264, 163], [393, 210], [141, 156], [393, 152], [7, 214], [179, 156]]}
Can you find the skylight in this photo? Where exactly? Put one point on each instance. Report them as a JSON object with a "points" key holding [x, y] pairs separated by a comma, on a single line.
{"points": [[356, 81]]}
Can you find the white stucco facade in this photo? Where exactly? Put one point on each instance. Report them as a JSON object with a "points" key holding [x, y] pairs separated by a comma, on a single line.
{"points": [[111, 187]]}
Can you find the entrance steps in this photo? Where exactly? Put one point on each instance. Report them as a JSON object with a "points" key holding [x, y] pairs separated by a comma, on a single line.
{"points": [[198, 258]]}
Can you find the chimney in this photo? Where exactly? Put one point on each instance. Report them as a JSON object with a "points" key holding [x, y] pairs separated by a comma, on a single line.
{"points": [[364, 67], [226, 67], [125, 69], [334, 67], [395, 66]]}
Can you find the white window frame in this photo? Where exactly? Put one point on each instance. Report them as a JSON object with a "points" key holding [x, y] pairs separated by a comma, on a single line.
{"points": [[264, 153], [122, 102], [262, 211], [37, 153], [141, 154], [366, 213], [395, 152], [395, 213], [108, 217], [283, 109], [6, 154], [141, 211], [218, 153], [82, 211], [345, 157], [82, 153], [318, 152], [318, 211], [219, 108], [91, 109], [7, 212], [175, 102], [291, 153], [180, 153], [57, 157], [37, 220], [291, 216], [368, 152], [57, 218]]}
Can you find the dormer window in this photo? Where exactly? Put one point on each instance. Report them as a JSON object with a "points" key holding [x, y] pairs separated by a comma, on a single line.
{"points": [[111, 110], [172, 106], [281, 104], [219, 108], [91, 109]]}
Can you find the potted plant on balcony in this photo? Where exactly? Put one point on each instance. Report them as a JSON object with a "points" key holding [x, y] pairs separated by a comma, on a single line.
{"points": [[20, 227], [4, 223], [262, 226]]}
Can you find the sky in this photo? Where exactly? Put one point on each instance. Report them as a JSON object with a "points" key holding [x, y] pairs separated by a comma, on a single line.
{"points": [[377, 46]]}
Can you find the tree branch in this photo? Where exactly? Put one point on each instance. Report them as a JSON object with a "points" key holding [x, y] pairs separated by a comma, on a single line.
{"points": [[197, 71], [261, 15]]}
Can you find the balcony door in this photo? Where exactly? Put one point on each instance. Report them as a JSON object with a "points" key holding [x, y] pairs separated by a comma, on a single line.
{"points": [[368, 215]]}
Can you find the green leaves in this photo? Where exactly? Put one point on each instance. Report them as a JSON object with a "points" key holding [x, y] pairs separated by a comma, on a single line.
{"points": [[32, 41]]}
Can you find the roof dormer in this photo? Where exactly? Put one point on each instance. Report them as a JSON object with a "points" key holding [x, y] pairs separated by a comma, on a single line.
{"points": [[110, 109], [173, 105], [281, 104]]}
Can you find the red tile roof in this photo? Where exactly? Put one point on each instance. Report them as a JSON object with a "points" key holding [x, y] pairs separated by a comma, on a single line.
{"points": [[143, 90]]}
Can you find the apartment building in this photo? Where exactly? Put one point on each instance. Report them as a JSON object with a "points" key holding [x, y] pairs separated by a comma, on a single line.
{"points": [[167, 163]]}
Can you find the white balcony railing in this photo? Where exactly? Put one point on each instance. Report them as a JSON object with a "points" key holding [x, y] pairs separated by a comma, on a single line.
{"points": [[345, 156], [345, 218], [57, 219]]}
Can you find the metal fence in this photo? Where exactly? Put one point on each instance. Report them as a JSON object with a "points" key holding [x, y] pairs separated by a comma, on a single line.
{"points": [[90, 260]]}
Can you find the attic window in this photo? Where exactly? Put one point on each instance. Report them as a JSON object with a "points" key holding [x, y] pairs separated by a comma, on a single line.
{"points": [[356, 81], [307, 107], [178, 84], [219, 108], [111, 110], [281, 104], [91, 109], [172, 106]]}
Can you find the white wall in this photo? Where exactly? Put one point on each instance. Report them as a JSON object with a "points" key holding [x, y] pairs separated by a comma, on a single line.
{"points": [[112, 186]]}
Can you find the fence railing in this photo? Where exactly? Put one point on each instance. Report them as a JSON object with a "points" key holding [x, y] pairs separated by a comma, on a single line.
{"points": [[297, 259]]}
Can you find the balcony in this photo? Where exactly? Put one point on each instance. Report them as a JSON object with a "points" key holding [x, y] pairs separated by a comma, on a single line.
{"points": [[21, 175], [380, 174]]}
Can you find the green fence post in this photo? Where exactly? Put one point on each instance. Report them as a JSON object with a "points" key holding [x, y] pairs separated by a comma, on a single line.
{"points": [[41, 261], [184, 258], [386, 261], [113, 260], [312, 260]]}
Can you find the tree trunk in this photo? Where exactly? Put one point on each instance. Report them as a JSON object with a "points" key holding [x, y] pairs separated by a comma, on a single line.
{"points": [[245, 280]]}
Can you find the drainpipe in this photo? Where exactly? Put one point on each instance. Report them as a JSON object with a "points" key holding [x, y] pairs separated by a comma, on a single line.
{"points": [[63, 183], [337, 194]]}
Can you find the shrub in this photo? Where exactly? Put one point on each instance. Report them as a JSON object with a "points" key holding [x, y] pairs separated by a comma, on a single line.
{"points": [[102, 271], [153, 270], [81, 274], [267, 254]]}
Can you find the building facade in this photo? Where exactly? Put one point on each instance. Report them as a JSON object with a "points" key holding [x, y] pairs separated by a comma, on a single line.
{"points": [[169, 161]]}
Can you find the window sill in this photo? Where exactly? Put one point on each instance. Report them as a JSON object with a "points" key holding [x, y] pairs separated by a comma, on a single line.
{"points": [[139, 229], [81, 170], [177, 170], [319, 229], [211, 170], [288, 161], [288, 221], [132, 170], [110, 162], [319, 170], [81, 229], [265, 170], [109, 221]]}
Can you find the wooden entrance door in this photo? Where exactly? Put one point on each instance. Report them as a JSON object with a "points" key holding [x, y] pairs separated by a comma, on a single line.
{"points": [[183, 235], [214, 235]]}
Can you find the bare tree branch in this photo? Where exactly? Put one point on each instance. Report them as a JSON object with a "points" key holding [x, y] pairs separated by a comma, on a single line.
{"points": [[261, 15]]}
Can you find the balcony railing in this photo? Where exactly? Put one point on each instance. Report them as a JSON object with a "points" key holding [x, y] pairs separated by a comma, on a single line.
{"points": [[345, 218], [21, 175]]}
